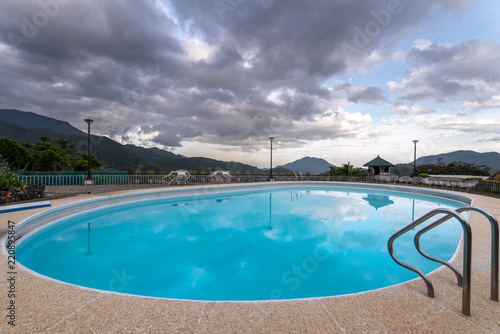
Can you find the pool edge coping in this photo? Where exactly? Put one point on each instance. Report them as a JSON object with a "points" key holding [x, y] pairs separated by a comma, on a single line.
{"points": [[195, 191]]}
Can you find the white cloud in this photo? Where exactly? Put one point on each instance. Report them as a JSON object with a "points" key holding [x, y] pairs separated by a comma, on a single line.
{"points": [[480, 126], [493, 102], [197, 50], [195, 79], [412, 110]]}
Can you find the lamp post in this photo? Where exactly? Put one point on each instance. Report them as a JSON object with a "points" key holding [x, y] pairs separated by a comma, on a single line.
{"points": [[270, 227], [271, 170], [89, 252], [89, 176], [415, 157]]}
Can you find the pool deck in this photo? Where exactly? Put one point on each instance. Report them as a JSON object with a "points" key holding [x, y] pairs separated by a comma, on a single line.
{"points": [[47, 306]]}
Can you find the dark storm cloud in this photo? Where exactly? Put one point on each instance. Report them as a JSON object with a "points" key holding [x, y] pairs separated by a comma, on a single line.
{"points": [[126, 64], [357, 94]]}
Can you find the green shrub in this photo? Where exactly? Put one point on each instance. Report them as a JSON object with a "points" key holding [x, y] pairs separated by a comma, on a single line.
{"points": [[480, 179], [8, 179], [424, 175]]}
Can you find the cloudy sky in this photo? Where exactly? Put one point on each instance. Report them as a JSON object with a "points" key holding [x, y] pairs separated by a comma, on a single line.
{"points": [[342, 80]]}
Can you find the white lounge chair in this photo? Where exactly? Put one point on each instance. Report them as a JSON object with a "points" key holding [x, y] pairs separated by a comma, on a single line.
{"points": [[221, 177], [416, 180], [405, 179], [178, 177], [470, 184], [227, 177]]}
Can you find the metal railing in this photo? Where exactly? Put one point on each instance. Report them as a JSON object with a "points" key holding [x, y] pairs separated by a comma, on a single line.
{"points": [[463, 279], [79, 179], [63, 180]]}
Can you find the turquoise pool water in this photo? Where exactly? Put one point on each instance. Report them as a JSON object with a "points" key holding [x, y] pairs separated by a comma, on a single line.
{"points": [[260, 245]]}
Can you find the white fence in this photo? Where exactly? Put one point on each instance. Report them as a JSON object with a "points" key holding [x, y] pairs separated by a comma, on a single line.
{"points": [[67, 180]]}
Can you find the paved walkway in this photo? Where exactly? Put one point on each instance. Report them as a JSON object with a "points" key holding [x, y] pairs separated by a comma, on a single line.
{"points": [[46, 306]]}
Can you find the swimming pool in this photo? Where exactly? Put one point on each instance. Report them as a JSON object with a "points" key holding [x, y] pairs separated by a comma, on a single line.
{"points": [[268, 242]]}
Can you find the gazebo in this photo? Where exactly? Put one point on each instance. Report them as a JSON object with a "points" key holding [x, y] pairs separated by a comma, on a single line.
{"points": [[378, 166], [378, 201]]}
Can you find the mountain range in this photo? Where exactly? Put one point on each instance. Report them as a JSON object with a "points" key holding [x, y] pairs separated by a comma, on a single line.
{"points": [[308, 164], [490, 159], [22, 125]]}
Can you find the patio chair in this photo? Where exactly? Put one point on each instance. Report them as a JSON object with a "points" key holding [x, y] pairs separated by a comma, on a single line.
{"points": [[405, 179], [416, 180], [179, 177], [455, 184], [444, 183], [221, 177], [216, 177], [226, 176], [428, 181], [470, 184]]}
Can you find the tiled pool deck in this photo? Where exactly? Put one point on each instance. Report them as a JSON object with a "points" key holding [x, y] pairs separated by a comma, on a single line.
{"points": [[47, 306]]}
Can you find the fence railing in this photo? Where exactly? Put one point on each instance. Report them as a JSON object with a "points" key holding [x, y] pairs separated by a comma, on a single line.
{"points": [[488, 187], [70, 180], [106, 179]]}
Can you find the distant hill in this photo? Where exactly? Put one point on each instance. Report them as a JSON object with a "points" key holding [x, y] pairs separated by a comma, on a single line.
{"points": [[22, 125], [30, 120], [308, 164], [490, 159]]}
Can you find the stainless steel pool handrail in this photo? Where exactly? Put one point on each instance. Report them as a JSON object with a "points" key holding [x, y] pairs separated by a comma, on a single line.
{"points": [[494, 247], [466, 260], [416, 241]]}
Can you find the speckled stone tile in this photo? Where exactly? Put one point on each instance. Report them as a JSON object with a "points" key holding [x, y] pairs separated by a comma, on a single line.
{"points": [[41, 303], [483, 311], [307, 316], [48, 306], [396, 310], [125, 314]]}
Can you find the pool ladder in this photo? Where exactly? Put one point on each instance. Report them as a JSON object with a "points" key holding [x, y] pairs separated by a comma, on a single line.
{"points": [[465, 279]]}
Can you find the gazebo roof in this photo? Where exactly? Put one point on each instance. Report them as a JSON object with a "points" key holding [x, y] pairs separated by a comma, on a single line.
{"points": [[378, 162], [378, 201]]}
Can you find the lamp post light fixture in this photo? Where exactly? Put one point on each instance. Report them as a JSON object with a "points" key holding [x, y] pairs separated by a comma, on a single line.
{"points": [[415, 157], [89, 176], [271, 170]]}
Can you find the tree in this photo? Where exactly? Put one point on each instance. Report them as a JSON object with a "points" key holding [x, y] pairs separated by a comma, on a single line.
{"points": [[51, 154], [454, 168], [346, 169], [16, 155], [48, 160], [81, 162]]}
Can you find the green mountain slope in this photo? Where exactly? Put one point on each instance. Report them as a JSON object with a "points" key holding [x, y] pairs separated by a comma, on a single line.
{"points": [[308, 164], [112, 154], [31, 120], [490, 159]]}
